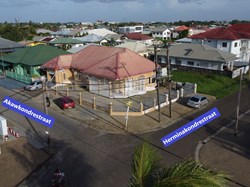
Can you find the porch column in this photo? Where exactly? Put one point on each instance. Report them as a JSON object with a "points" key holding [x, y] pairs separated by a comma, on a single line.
{"points": [[110, 89], [231, 66]]}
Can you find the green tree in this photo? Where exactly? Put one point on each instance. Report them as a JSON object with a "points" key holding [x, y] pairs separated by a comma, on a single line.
{"points": [[147, 172]]}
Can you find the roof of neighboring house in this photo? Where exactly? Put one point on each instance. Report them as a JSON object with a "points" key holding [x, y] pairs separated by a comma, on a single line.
{"points": [[241, 27], [100, 32], [33, 56], [8, 45], [233, 32], [200, 52], [184, 40], [44, 31], [137, 36], [134, 46], [181, 28], [159, 29], [66, 41], [42, 39], [90, 38], [76, 49], [114, 36], [111, 63]]}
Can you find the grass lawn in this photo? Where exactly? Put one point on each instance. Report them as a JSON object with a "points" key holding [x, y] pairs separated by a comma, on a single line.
{"points": [[211, 84]]}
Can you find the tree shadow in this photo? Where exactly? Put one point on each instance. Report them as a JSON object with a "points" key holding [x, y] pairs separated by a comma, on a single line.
{"points": [[65, 158], [226, 138]]}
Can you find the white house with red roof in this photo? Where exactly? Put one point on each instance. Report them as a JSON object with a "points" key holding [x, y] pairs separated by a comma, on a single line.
{"points": [[108, 71], [234, 39]]}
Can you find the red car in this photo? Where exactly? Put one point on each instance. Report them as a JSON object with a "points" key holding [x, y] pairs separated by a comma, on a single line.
{"points": [[65, 102]]}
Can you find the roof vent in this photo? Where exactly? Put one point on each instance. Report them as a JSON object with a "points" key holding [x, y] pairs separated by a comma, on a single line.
{"points": [[188, 52]]}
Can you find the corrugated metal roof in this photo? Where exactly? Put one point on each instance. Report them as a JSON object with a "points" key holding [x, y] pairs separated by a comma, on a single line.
{"points": [[199, 52], [66, 41], [107, 62], [91, 38], [134, 46], [8, 44], [33, 56]]}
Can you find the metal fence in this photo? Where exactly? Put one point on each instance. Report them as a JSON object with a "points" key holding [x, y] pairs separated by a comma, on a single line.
{"points": [[19, 77]]}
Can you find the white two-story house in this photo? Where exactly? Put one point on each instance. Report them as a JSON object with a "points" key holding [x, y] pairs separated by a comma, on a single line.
{"points": [[234, 39], [162, 33]]}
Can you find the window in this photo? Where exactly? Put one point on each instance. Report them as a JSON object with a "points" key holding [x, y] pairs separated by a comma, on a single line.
{"points": [[235, 44], [178, 62], [190, 63], [224, 44]]}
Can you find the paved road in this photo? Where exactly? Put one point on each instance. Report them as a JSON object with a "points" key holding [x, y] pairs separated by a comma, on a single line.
{"points": [[94, 158]]}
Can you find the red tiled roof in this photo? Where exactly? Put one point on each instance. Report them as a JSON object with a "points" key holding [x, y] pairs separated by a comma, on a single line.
{"points": [[181, 28], [241, 27], [234, 32], [59, 62], [105, 62], [137, 36]]}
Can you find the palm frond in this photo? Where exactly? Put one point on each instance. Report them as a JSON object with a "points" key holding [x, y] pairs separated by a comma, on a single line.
{"points": [[191, 174], [144, 163]]}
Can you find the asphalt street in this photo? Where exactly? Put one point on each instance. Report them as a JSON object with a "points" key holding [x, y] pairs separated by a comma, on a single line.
{"points": [[92, 157]]}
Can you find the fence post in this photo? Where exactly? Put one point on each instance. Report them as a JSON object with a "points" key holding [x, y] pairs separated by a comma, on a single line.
{"points": [[178, 94], [94, 104], [141, 108], [110, 109], [195, 88], [80, 98], [181, 95], [167, 99]]}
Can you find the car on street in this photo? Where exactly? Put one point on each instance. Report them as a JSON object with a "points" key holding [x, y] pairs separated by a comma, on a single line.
{"points": [[197, 101], [36, 85], [65, 102]]}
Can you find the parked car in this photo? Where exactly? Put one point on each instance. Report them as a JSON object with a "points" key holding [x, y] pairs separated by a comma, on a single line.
{"points": [[197, 101], [36, 85], [65, 102]]}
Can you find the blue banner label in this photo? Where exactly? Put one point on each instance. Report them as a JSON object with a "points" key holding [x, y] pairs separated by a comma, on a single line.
{"points": [[28, 111], [190, 127]]}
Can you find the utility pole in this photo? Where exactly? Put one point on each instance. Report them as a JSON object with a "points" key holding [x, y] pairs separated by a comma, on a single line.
{"points": [[238, 107], [46, 109], [169, 81], [157, 85]]}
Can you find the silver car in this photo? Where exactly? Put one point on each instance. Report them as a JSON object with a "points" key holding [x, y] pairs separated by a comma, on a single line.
{"points": [[34, 85], [197, 101]]}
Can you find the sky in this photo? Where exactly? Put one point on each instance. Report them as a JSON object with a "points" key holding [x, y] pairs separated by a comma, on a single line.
{"points": [[123, 10]]}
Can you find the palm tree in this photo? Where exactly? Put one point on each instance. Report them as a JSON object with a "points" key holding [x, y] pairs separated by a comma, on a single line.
{"points": [[146, 172]]}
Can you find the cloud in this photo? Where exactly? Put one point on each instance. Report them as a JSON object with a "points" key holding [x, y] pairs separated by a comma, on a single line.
{"points": [[192, 1], [103, 1], [20, 3]]}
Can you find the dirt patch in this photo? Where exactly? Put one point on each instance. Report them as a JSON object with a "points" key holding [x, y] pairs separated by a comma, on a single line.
{"points": [[17, 160]]}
